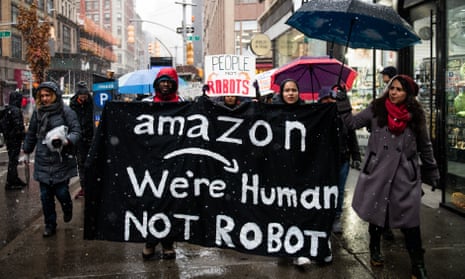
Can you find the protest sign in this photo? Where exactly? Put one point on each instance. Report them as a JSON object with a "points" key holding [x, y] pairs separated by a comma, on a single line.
{"points": [[261, 179], [229, 74]]}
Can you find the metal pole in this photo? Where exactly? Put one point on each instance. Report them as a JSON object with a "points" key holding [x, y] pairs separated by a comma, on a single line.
{"points": [[184, 35], [30, 96]]}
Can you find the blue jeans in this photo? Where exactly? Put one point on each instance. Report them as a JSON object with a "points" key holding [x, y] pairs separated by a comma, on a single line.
{"points": [[343, 173], [48, 193]]}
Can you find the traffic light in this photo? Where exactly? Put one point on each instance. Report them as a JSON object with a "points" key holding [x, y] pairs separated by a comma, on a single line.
{"points": [[156, 50], [130, 30], [190, 53], [151, 49]]}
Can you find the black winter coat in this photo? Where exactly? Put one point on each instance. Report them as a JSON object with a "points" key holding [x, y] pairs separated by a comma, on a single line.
{"points": [[85, 115], [52, 167], [14, 121]]}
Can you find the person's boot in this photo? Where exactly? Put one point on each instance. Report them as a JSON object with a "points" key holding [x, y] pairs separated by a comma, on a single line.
{"points": [[20, 182], [418, 264], [12, 185], [376, 258]]}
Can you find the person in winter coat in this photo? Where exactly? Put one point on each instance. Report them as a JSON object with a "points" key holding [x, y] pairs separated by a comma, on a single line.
{"points": [[13, 131], [166, 90], [83, 105], [349, 148], [388, 191], [53, 131]]}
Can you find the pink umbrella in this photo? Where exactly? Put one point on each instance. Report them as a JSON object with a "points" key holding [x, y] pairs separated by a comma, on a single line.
{"points": [[312, 74]]}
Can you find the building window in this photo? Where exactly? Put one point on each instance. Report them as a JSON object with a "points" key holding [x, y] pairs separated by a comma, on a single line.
{"points": [[14, 13], [66, 39], [16, 47]]}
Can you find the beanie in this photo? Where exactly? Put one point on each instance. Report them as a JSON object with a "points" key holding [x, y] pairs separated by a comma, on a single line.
{"points": [[412, 85]]}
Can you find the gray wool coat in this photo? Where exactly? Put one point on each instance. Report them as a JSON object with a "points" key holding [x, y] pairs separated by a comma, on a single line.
{"points": [[52, 167], [389, 185]]}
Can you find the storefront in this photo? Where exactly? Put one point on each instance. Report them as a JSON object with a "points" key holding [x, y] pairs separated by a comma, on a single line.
{"points": [[438, 66]]}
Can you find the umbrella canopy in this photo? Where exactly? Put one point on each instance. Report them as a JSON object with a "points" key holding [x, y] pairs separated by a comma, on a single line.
{"points": [[354, 23], [312, 74], [137, 82], [140, 82]]}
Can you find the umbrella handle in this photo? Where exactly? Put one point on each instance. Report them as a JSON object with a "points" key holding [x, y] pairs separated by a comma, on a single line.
{"points": [[352, 22]]}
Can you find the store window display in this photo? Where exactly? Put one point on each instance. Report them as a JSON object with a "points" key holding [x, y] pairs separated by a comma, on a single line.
{"points": [[455, 87]]}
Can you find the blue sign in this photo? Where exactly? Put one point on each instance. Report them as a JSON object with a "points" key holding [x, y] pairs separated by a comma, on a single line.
{"points": [[100, 97], [102, 86]]}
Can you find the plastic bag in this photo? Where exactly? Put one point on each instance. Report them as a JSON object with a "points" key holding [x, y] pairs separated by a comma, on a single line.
{"points": [[56, 138]]}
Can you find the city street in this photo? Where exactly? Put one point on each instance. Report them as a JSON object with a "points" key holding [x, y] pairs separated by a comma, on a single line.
{"points": [[24, 253]]}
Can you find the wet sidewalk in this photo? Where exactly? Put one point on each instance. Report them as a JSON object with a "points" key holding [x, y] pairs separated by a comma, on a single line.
{"points": [[24, 253]]}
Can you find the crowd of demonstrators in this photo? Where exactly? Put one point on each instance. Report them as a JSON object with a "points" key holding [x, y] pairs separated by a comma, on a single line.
{"points": [[53, 133], [166, 90], [388, 191], [13, 131], [83, 105], [349, 149]]}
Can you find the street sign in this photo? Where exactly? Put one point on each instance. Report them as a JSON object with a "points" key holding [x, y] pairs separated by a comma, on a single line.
{"points": [[5, 34], [188, 30], [193, 38]]}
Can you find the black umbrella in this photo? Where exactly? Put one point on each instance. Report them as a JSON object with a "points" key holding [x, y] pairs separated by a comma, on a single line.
{"points": [[355, 24]]}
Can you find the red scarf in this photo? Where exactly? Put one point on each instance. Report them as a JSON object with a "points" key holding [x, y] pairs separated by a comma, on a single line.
{"points": [[398, 116]]}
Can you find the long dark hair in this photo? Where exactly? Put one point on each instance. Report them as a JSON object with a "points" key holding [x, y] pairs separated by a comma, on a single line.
{"points": [[418, 120]]}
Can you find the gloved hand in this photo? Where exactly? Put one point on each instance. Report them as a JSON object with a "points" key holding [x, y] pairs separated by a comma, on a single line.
{"points": [[356, 165], [342, 101], [205, 89], [341, 93]]}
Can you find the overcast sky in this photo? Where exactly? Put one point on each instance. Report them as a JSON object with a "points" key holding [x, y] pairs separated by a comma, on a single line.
{"points": [[167, 13]]}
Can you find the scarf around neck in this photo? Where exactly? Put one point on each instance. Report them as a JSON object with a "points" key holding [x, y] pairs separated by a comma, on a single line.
{"points": [[43, 113], [398, 117]]}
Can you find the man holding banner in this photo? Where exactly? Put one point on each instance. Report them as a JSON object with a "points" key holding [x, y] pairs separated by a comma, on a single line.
{"points": [[166, 90]]}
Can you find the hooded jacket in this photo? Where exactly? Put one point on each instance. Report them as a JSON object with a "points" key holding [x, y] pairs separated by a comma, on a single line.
{"points": [[166, 74]]}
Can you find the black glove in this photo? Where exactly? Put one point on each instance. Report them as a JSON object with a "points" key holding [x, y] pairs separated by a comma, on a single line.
{"points": [[356, 165], [434, 184], [341, 93], [342, 101], [205, 89]]}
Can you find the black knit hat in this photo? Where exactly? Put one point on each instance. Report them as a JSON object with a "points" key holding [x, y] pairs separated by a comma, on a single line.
{"points": [[389, 71], [82, 88]]}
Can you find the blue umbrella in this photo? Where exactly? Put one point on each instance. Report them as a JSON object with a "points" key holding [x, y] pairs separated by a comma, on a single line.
{"points": [[354, 23], [137, 82], [140, 82]]}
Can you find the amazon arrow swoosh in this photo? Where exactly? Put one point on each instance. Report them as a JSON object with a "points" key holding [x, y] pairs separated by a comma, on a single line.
{"points": [[228, 166]]}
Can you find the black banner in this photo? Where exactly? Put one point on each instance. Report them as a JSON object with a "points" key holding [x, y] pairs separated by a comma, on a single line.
{"points": [[261, 179]]}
